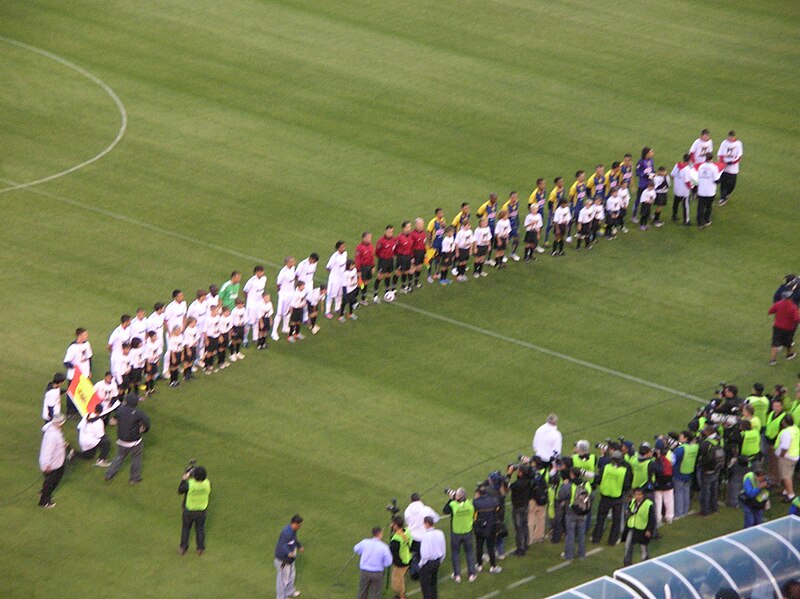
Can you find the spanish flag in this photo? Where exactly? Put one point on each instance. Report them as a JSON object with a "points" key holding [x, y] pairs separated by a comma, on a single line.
{"points": [[81, 392]]}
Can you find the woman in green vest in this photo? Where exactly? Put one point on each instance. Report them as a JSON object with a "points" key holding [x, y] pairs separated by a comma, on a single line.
{"points": [[196, 487], [639, 525]]}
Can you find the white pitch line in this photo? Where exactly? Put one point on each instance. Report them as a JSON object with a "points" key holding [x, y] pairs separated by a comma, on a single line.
{"points": [[465, 325], [103, 85], [550, 352], [489, 595], [520, 582], [558, 566], [594, 551]]}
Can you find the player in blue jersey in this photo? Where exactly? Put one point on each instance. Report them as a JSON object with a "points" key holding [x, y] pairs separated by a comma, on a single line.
{"points": [[512, 209], [489, 209], [436, 228]]}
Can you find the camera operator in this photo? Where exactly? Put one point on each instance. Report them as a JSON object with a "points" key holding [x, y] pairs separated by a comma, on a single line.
{"points": [[286, 551], [759, 402], [487, 511], [586, 462], [538, 507], [640, 526], [663, 488], [521, 497], [613, 482], [497, 486], [575, 494], [683, 472], [711, 462], [558, 475], [644, 469], [196, 488], [462, 516]]}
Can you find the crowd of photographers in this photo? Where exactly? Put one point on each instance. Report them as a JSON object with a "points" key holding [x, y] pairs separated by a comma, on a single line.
{"points": [[733, 451]]}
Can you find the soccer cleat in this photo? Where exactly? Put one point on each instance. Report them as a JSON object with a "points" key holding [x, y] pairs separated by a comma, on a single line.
{"points": [[315, 329], [495, 570], [505, 259], [476, 275], [659, 224], [722, 201], [515, 257], [215, 369], [342, 319], [430, 280], [275, 336], [635, 219], [484, 274], [290, 339], [328, 315], [569, 239], [527, 259], [540, 250], [491, 262], [234, 357], [363, 302], [624, 229], [353, 317], [418, 285], [643, 227], [791, 356], [173, 383], [473, 577], [300, 336], [194, 368], [295, 594], [376, 299], [455, 577], [454, 271], [224, 365], [773, 362], [49, 506], [102, 463]]}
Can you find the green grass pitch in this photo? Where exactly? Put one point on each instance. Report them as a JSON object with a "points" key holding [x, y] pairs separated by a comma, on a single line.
{"points": [[258, 129]]}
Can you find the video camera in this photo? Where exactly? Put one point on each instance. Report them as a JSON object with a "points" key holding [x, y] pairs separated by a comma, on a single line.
{"points": [[190, 468], [392, 507], [522, 460], [451, 493], [603, 446]]}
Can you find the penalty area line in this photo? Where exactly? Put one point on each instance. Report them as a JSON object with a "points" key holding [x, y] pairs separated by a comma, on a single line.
{"points": [[551, 353]]}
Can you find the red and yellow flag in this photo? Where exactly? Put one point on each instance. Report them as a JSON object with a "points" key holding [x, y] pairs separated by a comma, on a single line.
{"points": [[81, 392]]}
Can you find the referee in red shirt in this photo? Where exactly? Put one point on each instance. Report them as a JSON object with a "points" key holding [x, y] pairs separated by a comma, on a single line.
{"points": [[385, 250], [787, 317], [365, 263]]}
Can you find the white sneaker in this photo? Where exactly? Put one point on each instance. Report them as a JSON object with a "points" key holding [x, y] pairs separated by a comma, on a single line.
{"points": [[454, 271], [295, 594], [301, 336], [234, 357], [569, 239], [501, 556], [495, 570], [540, 249], [240, 356], [102, 463], [194, 368], [275, 337], [430, 280], [515, 257], [476, 275], [473, 577], [224, 365], [315, 329], [376, 300], [484, 274], [491, 262], [455, 577]]}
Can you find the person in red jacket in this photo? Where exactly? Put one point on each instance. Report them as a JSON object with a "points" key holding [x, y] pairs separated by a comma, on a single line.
{"points": [[365, 263], [385, 250], [420, 236], [787, 317], [405, 255]]}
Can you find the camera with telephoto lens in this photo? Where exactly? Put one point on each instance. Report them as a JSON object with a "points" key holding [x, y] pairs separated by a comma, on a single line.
{"points": [[451, 493], [190, 468], [392, 507], [522, 460], [720, 388]]}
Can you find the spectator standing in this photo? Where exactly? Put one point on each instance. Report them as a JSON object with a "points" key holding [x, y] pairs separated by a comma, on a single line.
{"points": [[548, 440], [664, 494], [787, 317], [432, 550], [286, 550], [52, 459], [196, 488], [375, 558], [462, 517], [132, 423]]}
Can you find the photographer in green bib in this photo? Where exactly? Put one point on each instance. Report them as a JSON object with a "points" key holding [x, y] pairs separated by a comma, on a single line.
{"points": [[196, 488], [462, 518], [400, 546], [640, 525]]}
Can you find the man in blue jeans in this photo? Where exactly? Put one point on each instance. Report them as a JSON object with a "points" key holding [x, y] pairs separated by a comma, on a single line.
{"points": [[754, 496], [712, 460], [462, 517], [683, 472]]}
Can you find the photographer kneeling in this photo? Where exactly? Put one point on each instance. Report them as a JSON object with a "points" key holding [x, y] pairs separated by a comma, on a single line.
{"points": [[196, 487]]}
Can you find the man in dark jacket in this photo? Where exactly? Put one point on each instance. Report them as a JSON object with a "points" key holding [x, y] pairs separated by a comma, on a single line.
{"points": [[132, 423], [521, 496], [487, 508]]}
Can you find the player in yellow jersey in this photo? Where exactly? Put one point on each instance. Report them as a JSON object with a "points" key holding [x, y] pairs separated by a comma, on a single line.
{"points": [[553, 202], [436, 228], [613, 177], [461, 217]]}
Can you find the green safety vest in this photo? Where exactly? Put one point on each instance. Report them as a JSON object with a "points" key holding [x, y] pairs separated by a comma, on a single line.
{"points": [[574, 487], [638, 520], [404, 539], [760, 405], [689, 460], [751, 443], [773, 426], [795, 412], [463, 517], [613, 480], [756, 423], [794, 441], [640, 472], [589, 464], [197, 495]]}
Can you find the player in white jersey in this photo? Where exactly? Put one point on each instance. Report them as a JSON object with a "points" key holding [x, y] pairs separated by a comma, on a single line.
{"points": [[199, 310], [238, 320], [624, 200], [533, 227], [482, 239], [254, 291], [139, 324], [51, 405], [306, 270], [212, 335], [79, 353], [585, 221], [121, 367], [264, 320], [138, 359], [662, 183], [120, 335], [175, 356], [612, 213], [349, 290], [708, 174], [285, 283], [465, 239], [153, 348], [174, 316], [335, 267], [155, 322], [730, 152], [297, 305], [447, 254], [225, 327], [645, 204], [681, 188], [106, 389], [599, 213], [701, 147], [561, 219], [212, 299], [502, 230], [313, 299]]}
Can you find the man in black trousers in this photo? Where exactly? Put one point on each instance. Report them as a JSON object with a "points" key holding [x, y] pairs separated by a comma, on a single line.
{"points": [[432, 552]]}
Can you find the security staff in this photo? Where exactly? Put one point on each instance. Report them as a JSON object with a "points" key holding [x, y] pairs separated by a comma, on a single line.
{"points": [[196, 487], [772, 427], [614, 482], [462, 516], [683, 472], [640, 525], [750, 448], [643, 469], [400, 546], [754, 496]]}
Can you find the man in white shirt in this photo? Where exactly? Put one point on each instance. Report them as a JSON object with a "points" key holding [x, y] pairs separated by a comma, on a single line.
{"points": [[335, 267], [415, 515], [79, 354], [306, 270], [285, 283], [787, 450], [254, 291], [139, 325], [547, 440], [681, 188], [120, 335], [51, 405], [432, 552], [707, 176], [52, 459], [730, 152], [92, 437], [701, 148]]}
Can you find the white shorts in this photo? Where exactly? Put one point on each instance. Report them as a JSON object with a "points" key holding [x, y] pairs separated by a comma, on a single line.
{"points": [[252, 315]]}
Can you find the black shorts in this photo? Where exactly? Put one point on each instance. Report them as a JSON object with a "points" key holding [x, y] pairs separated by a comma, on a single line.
{"points": [[237, 334], [596, 224], [782, 337], [463, 255], [482, 250], [223, 340], [297, 315], [530, 237], [135, 376], [266, 323], [366, 273], [623, 212], [189, 354], [560, 229], [385, 265], [312, 308], [176, 358], [151, 368], [446, 258], [212, 345], [500, 243], [403, 262], [584, 229], [419, 257], [661, 199]]}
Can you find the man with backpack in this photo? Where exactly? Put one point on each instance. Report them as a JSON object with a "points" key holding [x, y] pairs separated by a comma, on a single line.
{"points": [[613, 482], [537, 508], [521, 490], [487, 509], [711, 462], [576, 496]]}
